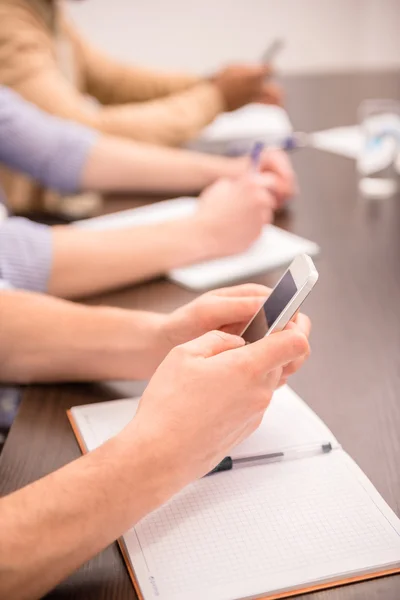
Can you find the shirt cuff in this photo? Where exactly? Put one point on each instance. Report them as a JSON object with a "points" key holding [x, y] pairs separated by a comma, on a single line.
{"points": [[25, 254], [65, 167]]}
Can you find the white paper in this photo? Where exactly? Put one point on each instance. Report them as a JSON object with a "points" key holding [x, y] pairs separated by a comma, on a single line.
{"points": [[265, 529], [251, 121], [288, 423], [274, 248], [232, 132], [159, 212]]}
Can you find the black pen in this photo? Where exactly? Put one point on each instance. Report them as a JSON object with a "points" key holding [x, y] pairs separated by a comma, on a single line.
{"points": [[229, 463]]}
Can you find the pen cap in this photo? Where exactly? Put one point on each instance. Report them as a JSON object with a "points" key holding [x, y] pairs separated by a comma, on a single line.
{"points": [[225, 465]]}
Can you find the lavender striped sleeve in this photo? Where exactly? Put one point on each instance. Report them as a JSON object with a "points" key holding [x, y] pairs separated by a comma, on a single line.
{"points": [[47, 148], [25, 254]]}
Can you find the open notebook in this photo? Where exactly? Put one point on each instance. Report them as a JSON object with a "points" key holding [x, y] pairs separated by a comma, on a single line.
{"points": [[235, 132], [274, 248], [264, 531]]}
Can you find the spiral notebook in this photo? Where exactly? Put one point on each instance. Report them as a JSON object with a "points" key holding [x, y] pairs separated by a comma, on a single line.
{"points": [[274, 248], [268, 531]]}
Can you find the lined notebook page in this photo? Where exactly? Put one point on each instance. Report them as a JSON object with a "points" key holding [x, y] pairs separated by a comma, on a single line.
{"points": [[274, 248], [263, 529], [288, 422]]}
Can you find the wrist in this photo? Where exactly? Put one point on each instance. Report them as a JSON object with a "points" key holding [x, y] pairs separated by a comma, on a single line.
{"points": [[147, 459], [198, 241], [232, 168], [128, 346], [150, 342]]}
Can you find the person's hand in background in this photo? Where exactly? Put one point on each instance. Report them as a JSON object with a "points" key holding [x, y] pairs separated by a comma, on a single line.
{"points": [[276, 163], [206, 397], [241, 84], [279, 176], [270, 93], [231, 213]]}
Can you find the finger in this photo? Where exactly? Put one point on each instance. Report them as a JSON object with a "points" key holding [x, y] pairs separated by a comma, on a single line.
{"points": [[302, 322], [265, 97], [265, 199], [235, 328], [272, 352], [276, 160], [258, 71], [273, 93], [268, 70], [267, 216], [211, 344], [246, 289], [293, 367], [219, 311], [270, 183], [282, 382], [280, 186]]}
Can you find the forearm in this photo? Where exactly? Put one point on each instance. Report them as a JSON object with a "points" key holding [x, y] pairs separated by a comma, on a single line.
{"points": [[47, 339], [112, 82], [54, 525], [170, 121], [115, 258], [115, 164]]}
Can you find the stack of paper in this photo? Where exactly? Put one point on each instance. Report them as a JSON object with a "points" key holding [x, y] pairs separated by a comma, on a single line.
{"points": [[234, 133]]}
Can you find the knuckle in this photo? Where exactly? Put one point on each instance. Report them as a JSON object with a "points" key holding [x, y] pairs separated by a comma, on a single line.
{"points": [[248, 367], [180, 352]]}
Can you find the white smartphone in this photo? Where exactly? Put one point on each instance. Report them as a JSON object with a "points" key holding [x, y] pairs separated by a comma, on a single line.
{"points": [[271, 52], [284, 301]]}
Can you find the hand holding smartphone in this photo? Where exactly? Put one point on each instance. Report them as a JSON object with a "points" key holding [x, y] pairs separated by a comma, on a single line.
{"points": [[284, 301]]}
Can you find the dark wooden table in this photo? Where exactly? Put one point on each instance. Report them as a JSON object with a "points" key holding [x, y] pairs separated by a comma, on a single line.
{"points": [[353, 377]]}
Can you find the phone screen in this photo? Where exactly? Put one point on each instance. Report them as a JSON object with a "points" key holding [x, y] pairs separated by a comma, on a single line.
{"points": [[272, 308]]}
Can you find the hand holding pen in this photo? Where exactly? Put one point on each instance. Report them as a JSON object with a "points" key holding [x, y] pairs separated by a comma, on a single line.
{"points": [[277, 171]]}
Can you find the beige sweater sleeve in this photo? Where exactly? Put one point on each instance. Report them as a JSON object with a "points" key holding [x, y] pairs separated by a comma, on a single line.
{"points": [[28, 64], [113, 82]]}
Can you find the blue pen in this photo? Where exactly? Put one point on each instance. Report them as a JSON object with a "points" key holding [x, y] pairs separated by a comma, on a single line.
{"points": [[255, 155], [288, 144]]}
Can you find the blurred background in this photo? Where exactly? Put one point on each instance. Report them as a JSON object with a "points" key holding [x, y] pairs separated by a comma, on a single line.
{"points": [[320, 35]]}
